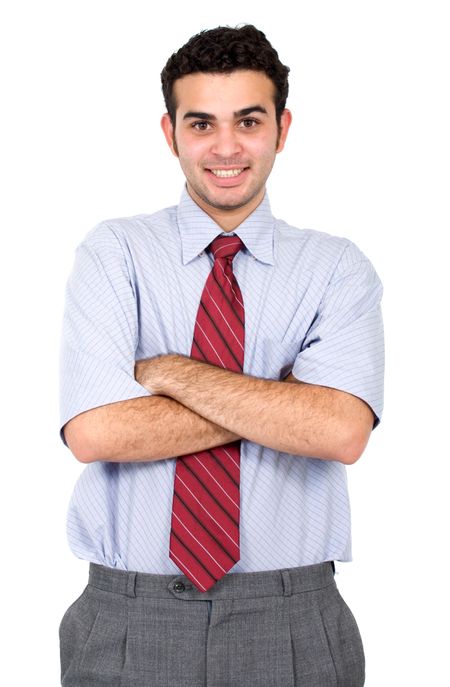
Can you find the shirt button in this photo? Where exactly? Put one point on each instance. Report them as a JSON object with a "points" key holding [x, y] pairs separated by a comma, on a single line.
{"points": [[178, 587]]}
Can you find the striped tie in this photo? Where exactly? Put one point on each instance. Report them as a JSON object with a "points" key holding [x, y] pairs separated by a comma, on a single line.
{"points": [[204, 537]]}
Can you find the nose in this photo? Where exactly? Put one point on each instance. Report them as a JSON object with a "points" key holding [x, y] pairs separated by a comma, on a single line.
{"points": [[226, 143]]}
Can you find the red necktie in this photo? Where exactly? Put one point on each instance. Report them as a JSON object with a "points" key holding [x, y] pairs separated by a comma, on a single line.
{"points": [[204, 537]]}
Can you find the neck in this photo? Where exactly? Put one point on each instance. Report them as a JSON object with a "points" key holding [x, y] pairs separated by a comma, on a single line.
{"points": [[227, 220]]}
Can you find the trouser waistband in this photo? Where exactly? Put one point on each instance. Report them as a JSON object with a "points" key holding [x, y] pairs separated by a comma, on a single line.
{"points": [[232, 586]]}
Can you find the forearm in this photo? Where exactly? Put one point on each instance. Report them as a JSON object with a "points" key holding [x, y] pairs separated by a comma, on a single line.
{"points": [[141, 429], [300, 419]]}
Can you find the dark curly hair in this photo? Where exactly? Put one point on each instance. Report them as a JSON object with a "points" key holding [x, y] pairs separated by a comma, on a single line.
{"points": [[223, 50]]}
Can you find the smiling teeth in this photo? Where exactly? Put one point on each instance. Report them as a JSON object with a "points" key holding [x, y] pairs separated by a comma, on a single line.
{"points": [[226, 172]]}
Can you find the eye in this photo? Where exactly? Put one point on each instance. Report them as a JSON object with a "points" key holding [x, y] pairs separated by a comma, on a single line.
{"points": [[201, 126], [248, 123]]}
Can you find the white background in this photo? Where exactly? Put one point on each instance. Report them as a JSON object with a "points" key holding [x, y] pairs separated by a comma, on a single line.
{"points": [[367, 158]]}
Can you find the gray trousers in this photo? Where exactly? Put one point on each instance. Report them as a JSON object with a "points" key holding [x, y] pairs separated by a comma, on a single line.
{"points": [[282, 628]]}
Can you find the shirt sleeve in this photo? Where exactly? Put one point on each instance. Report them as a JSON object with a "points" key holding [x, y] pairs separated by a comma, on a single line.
{"points": [[344, 346], [100, 329]]}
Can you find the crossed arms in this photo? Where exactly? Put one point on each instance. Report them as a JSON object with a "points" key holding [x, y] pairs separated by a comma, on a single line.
{"points": [[196, 406]]}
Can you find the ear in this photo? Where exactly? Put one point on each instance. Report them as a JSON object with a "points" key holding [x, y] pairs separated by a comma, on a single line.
{"points": [[167, 127], [285, 123]]}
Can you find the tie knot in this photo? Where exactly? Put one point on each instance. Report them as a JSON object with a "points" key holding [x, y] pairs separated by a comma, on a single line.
{"points": [[226, 246]]}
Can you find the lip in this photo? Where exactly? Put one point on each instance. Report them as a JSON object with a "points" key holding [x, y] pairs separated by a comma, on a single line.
{"points": [[227, 181], [227, 168]]}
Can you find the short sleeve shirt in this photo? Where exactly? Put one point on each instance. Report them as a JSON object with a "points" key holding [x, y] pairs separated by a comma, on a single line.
{"points": [[312, 307]]}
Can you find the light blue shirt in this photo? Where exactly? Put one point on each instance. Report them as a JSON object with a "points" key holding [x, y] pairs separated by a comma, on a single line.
{"points": [[312, 306]]}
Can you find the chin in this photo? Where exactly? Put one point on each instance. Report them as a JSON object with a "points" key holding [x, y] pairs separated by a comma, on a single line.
{"points": [[222, 202], [229, 206]]}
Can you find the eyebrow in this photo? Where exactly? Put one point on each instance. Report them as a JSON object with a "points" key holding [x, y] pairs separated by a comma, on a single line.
{"points": [[240, 113]]}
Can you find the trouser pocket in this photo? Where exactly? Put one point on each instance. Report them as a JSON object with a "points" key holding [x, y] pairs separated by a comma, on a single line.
{"points": [[344, 639], [326, 644], [93, 635]]}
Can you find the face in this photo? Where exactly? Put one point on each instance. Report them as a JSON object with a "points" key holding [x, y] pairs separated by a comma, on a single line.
{"points": [[226, 138]]}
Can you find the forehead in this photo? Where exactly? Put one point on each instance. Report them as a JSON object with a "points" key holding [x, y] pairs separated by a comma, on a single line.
{"points": [[220, 94]]}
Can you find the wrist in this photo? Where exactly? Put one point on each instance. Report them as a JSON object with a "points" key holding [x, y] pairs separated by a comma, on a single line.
{"points": [[159, 374]]}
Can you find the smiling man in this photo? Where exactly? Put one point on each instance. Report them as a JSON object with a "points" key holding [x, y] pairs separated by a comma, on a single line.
{"points": [[220, 369], [226, 154]]}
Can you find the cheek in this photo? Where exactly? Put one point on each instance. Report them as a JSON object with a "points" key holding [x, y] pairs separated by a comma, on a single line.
{"points": [[263, 149], [189, 149]]}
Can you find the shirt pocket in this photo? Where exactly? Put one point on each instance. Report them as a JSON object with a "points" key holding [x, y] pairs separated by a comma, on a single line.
{"points": [[276, 356]]}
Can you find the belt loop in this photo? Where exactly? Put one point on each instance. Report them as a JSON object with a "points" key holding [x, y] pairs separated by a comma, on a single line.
{"points": [[131, 584], [286, 579]]}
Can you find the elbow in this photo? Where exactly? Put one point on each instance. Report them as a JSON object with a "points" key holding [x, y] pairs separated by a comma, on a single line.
{"points": [[356, 429], [80, 440], [83, 452], [350, 456], [352, 445], [85, 455]]}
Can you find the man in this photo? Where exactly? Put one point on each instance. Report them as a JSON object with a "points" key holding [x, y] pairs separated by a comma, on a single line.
{"points": [[220, 369]]}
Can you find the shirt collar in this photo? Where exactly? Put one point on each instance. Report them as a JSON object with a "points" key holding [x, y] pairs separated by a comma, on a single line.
{"points": [[197, 230]]}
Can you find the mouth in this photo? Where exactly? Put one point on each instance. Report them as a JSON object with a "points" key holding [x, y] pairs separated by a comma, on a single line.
{"points": [[227, 177], [227, 173]]}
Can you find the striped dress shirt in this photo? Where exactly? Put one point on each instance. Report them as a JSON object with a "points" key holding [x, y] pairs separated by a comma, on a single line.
{"points": [[312, 307]]}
